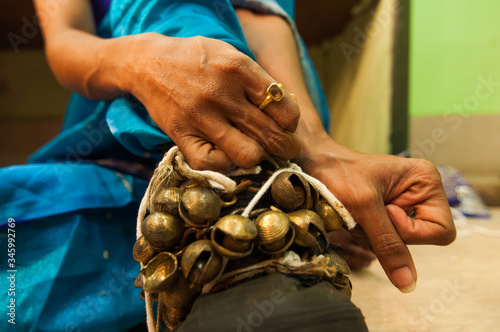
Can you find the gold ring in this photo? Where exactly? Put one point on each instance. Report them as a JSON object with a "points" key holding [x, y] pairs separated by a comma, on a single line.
{"points": [[275, 92]]}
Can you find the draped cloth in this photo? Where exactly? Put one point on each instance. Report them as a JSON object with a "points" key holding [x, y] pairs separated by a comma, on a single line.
{"points": [[75, 219]]}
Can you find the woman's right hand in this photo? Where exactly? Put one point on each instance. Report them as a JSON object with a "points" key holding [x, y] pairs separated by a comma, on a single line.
{"points": [[201, 92], [204, 94]]}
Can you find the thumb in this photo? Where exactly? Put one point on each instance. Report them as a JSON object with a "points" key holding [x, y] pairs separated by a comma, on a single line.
{"points": [[202, 155]]}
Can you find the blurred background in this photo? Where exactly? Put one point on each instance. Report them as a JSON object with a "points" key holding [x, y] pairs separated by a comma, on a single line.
{"points": [[417, 77]]}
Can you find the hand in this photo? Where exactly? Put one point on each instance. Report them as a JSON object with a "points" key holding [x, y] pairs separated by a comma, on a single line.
{"points": [[378, 190], [357, 257], [204, 94]]}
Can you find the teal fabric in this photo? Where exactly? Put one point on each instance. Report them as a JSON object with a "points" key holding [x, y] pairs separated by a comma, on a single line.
{"points": [[75, 220], [74, 273], [41, 190]]}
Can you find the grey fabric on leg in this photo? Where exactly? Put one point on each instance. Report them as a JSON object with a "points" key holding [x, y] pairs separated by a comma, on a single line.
{"points": [[275, 303]]}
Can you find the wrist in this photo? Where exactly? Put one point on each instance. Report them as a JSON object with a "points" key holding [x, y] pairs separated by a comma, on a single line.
{"points": [[146, 59], [125, 60], [320, 151], [87, 64]]}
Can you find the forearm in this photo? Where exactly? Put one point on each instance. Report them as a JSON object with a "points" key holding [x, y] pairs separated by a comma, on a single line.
{"points": [[80, 60], [87, 64]]}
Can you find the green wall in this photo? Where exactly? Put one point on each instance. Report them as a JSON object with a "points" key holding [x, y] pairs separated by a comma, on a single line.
{"points": [[454, 50]]}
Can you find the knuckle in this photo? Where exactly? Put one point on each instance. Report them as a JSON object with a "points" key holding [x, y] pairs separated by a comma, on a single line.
{"points": [[277, 143], [198, 163], [389, 245], [175, 129], [230, 167], [206, 92], [233, 62], [248, 157], [447, 236], [290, 117], [240, 116], [208, 95], [426, 165]]}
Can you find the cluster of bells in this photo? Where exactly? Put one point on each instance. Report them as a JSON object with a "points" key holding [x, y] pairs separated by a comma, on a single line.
{"points": [[185, 240]]}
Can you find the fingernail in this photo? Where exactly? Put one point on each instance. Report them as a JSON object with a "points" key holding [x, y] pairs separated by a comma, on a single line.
{"points": [[404, 280]]}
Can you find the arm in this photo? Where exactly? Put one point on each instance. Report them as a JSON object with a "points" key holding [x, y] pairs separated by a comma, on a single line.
{"points": [[377, 189], [81, 61], [211, 115]]}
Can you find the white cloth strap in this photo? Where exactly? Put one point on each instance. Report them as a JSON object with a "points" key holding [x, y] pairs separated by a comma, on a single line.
{"points": [[223, 182]]}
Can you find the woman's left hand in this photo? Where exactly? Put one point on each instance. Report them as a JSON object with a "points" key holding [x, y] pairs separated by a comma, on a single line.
{"points": [[379, 190]]}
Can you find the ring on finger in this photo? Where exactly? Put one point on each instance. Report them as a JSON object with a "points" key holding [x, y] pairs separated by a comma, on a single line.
{"points": [[275, 92]]}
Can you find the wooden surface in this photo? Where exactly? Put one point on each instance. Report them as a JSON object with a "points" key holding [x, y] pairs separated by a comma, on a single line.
{"points": [[458, 287]]}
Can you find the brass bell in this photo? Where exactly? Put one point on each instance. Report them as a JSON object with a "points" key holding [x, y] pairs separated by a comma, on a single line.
{"points": [[162, 230], [330, 217], [314, 198], [340, 264], [308, 226], [160, 273], [173, 317], [167, 200], [181, 293], [190, 183], [276, 234], [142, 251], [152, 296], [343, 284], [233, 236], [291, 191], [200, 206], [139, 280], [200, 262]]}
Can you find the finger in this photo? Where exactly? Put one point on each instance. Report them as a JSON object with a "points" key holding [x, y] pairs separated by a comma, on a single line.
{"points": [[262, 128], [425, 196], [241, 149], [359, 259], [359, 235], [220, 147], [285, 113], [202, 155], [387, 245], [430, 225]]}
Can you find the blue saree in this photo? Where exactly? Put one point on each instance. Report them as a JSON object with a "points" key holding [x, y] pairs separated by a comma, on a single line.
{"points": [[74, 214]]}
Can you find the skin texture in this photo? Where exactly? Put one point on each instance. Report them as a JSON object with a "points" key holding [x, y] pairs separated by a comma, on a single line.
{"points": [[218, 87], [377, 189], [211, 89], [213, 92]]}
